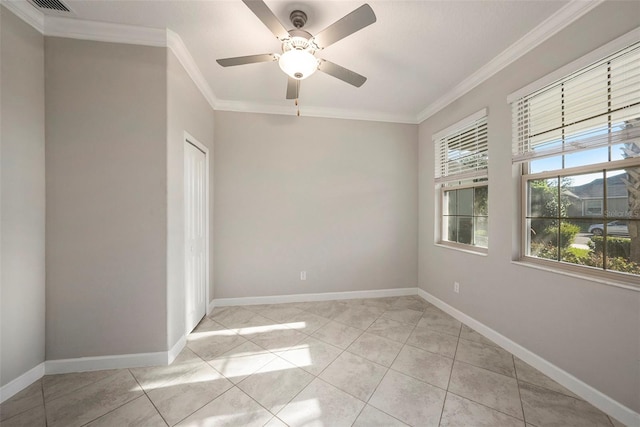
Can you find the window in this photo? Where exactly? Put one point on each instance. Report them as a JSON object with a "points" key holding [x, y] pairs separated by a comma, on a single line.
{"points": [[465, 216], [578, 141], [592, 207], [461, 182]]}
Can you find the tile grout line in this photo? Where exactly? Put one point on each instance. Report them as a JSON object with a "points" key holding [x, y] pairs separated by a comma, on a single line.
{"points": [[404, 344], [315, 376], [389, 367], [345, 349], [488, 407], [446, 392], [265, 408], [92, 383], [186, 373], [44, 403], [84, 386], [306, 335], [455, 354], [471, 400], [515, 370], [430, 352], [480, 403], [329, 364], [188, 415], [113, 410], [26, 409], [147, 396], [279, 357], [498, 373], [289, 401], [554, 391]]}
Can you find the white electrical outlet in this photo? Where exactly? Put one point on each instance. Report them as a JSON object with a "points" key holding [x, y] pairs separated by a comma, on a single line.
{"points": [[303, 275], [456, 287]]}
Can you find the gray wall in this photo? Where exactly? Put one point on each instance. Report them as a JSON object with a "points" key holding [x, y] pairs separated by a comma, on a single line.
{"points": [[588, 329], [22, 294], [336, 198], [106, 154], [188, 111]]}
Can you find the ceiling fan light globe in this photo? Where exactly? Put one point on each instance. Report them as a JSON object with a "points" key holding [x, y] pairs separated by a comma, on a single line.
{"points": [[298, 64]]}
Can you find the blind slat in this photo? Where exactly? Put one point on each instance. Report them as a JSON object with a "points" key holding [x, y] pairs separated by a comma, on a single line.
{"points": [[591, 108], [463, 153]]}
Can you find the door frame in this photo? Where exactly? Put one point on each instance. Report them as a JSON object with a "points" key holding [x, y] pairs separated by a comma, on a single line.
{"points": [[189, 139]]}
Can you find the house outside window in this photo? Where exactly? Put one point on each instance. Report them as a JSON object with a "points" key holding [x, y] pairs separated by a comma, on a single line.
{"points": [[592, 207], [577, 140], [462, 183]]}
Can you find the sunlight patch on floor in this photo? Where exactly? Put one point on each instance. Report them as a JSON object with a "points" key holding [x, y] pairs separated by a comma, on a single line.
{"points": [[305, 413], [192, 377], [299, 355], [219, 420], [194, 336], [270, 328]]}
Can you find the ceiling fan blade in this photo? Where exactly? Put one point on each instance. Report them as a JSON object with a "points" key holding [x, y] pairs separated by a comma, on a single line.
{"points": [[341, 73], [251, 59], [262, 11], [349, 24], [293, 88]]}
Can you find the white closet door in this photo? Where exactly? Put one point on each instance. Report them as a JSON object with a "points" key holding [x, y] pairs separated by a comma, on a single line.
{"points": [[195, 188]]}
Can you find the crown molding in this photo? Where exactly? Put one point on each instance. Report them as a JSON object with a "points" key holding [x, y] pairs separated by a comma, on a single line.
{"points": [[311, 111], [568, 14], [179, 49], [25, 11], [55, 26], [128, 34]]}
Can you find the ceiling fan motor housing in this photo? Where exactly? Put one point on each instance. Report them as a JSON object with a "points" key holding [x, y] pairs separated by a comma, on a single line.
{"points": [[297, 59]]}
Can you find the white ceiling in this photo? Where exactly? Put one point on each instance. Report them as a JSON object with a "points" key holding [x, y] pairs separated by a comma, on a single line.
{"points": [[414, 54]]}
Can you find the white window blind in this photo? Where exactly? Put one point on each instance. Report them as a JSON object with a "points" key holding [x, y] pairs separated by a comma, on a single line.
{"points": [[594, 107], [462, 150]]}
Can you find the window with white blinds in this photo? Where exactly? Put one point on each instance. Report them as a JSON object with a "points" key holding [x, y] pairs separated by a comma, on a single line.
{"points": [[462, 150], [596, 106]]}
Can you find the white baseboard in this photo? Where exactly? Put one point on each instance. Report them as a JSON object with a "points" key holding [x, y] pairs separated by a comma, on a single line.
{"points": [[582, 389], [83, 364], [326, 296], [23, 381], [120, 361], [175, 350], [211, 306]]}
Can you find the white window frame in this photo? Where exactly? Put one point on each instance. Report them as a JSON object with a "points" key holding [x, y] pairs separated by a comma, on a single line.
{"points": [[610, 276], [607, 276], [457, 181], [443, 232]]}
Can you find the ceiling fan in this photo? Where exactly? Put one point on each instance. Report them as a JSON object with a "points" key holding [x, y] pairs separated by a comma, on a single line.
{"points": [[299, 48]]}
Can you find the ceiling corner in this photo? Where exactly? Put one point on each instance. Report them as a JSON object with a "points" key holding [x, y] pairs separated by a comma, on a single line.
{"points": [[25, 11]]}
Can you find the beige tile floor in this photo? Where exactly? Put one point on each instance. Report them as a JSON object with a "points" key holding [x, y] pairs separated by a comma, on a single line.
{"points": [[375, 362]]}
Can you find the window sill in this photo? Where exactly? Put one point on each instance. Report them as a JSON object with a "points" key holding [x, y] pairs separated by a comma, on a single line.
{"points": [[466, 249], [541, 265]]}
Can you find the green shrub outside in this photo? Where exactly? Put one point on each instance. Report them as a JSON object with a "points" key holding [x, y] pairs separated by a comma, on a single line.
{"points": [[617, 250], [616, 246], [568, 232]]}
